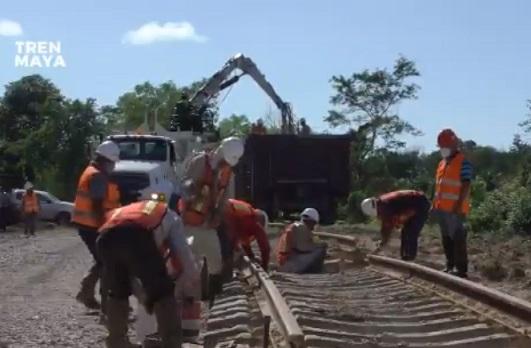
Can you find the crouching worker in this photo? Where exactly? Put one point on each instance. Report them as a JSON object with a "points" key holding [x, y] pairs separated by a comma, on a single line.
{"points": [[406, 209], [296, 250], [241, 225], [144, 241]]}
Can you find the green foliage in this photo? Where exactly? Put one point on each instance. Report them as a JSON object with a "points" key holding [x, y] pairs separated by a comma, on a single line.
{"points": [[353, 207], [234, 125]]}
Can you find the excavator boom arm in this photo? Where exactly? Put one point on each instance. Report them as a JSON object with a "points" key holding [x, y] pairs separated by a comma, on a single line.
{"points": [[219, 81]]}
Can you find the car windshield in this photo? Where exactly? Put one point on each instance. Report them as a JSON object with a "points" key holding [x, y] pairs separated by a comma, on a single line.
{"points": [[142, 149]]}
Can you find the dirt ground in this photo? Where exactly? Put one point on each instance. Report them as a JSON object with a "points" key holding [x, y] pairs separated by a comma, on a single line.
{"points": [[39, 279], [40, 276], [498, 262]]}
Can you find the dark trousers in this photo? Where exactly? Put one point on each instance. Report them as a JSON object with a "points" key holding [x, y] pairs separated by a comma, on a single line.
{"points": [[411, 232], [454, 240], [30, 220], [131, 252], [3, 217], [88, 284]]}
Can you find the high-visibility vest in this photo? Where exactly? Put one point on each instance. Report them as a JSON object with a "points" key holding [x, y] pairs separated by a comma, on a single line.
{"points": [[147, 215], [212, 187], [240, 217], [30, 203], [84, 213], [191, 318], [448, 185], [283, 248]]}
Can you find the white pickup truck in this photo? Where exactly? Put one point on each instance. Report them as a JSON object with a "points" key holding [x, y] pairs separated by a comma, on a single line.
{"points": [[147, 168]]}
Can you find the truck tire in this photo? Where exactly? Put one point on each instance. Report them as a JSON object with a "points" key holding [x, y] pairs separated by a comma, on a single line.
{"points": [[63, 219]]}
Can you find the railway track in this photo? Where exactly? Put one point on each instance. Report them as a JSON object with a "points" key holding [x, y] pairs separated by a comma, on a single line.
{"points": [[380, 303]]}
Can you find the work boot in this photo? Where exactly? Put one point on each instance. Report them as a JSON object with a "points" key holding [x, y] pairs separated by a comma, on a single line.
{"points": [[168, 322], [86, 294], [117, 321]]}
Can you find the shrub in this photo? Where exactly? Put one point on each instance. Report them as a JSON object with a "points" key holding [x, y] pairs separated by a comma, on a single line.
{"points": [[354, 212]]}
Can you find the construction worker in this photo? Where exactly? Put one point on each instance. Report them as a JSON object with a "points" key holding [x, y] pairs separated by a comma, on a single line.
{"points": [[258, 127], [407, 209], [304, 129], [145, 241], [204, 193], [30, 209], [95, 195], [296, 250], [451, 201], [4, 209], [242, 224]]}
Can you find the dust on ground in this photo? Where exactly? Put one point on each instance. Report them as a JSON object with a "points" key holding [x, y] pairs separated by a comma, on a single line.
{"points": [[500, 262]]}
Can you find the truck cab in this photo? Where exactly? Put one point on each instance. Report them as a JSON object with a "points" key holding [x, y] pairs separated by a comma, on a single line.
{"points": [[147, 168]]}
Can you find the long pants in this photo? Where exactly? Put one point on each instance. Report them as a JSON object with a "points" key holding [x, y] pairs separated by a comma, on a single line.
{"points": [[454, 240], [128, 253], [206, 244], [30, 220], [88, 284], [4, 218], [308, 262], [411, 231]]}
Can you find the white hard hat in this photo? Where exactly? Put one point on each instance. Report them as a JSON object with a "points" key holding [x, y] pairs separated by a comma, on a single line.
{"points": [[109, 150], [310, 214], [231, 150], [28, 185], [369, 207]]}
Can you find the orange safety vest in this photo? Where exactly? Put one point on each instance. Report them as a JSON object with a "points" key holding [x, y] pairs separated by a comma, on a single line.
{"points": [[448, 185], [148, 215], [240, 216], [30, 203], [213, 185], [83, 205], [283, 248]]}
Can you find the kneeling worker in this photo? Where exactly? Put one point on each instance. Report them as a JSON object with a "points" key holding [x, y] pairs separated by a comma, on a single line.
{"points": [[139, 241], [407, 209], [241, 225], [296, 250]]}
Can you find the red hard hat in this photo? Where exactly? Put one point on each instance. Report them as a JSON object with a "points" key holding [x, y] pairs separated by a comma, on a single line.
{"points": [[447, 138]]}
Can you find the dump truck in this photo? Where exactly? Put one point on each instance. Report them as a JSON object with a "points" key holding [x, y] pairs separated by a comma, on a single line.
{"points": [[285, 173]]}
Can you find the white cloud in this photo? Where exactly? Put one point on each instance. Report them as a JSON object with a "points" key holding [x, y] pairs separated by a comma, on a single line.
{"points": [[171, 31], [10, 28]]}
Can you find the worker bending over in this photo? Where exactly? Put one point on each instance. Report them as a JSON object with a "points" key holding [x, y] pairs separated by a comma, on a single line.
{"points": [[296, 250], [242, 224], [144, 240], [95, 195], [204, 186], [451, 203], [30, 209], [407, 209]]}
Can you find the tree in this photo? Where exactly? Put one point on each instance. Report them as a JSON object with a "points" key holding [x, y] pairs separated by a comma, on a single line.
{"points": [[134, 105], [526, 124], [365, 102], [23, 105], [234, 125]]}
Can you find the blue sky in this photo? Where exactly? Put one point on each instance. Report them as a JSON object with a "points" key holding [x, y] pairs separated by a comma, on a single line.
{"points": [[474, 56]]}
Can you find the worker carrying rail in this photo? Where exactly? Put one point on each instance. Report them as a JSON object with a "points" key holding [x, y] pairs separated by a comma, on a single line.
{"points": [[296, 250], [145, 241], [407, 209], [95, 196], [241, 225], [205, 182]]}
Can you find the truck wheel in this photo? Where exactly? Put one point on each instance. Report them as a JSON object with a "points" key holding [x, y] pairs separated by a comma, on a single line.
{"points": [[204, 281], [63, 219]]}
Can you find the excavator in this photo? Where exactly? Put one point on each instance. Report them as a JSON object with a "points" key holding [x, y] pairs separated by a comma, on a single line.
{"points": [[188, 113]]}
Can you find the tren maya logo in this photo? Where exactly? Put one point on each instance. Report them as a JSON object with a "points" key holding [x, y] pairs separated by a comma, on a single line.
{"points": [[39, 54]]}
